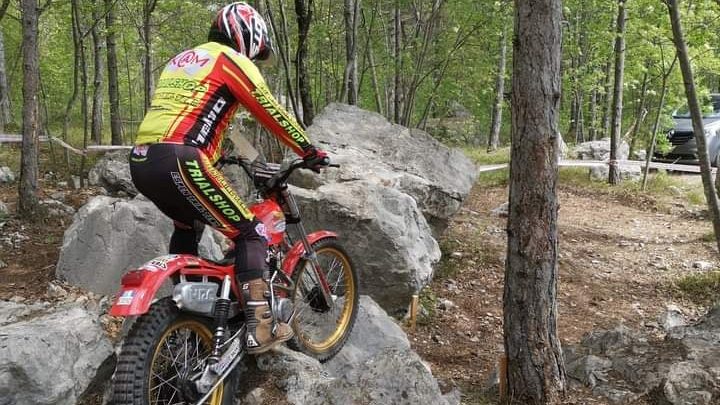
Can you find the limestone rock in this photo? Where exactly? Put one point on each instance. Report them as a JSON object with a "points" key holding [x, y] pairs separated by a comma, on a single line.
{"points": [[111, 235], [384, 232], [6, 175], [53, 358], [377, 366], [112, 172], [370, 148], [108, 237]]}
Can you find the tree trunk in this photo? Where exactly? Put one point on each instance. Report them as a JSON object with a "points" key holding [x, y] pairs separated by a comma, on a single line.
{"points": [[614, 174], [350, 82], [148, 82], [496, 123], [607, 101], [640, 114], [5, 117], [373, 69], [28, 204], [397, 91], [579, 118], [304, 12], [99, 75], [113, 75], [656, 125], [535, 370], [283, 47], [84, 110], [696, 114], [592, 134]]}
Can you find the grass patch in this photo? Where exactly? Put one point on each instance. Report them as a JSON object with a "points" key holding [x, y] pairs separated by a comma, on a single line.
{"points": [[708, 237], [702, 288], [428, 307], [448, 267], [695, 197], [659, 185], [495, 178], [482, 157]]}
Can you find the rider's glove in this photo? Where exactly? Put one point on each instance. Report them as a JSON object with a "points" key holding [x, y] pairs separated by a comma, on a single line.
{"points": [[315, 158]]}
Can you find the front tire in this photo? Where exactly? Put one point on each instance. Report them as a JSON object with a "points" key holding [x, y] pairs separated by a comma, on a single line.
{"points": [[164, 347], [321, 332]]}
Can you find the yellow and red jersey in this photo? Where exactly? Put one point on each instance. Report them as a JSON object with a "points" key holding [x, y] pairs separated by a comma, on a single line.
{"points": [[199, 92]]}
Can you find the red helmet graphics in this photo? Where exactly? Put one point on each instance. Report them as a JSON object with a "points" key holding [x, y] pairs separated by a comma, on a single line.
{"points": [[246, 30]]}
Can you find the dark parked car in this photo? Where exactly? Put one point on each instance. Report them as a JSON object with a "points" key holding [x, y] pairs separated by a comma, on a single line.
{"points": [[682, 137]]}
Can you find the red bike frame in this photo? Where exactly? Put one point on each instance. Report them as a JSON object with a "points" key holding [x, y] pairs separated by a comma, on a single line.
{"points": [[139, 287]]}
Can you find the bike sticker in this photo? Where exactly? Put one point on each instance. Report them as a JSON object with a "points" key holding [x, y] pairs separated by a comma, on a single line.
{"points": [[261, 230], [126, 297], [159, 263]]}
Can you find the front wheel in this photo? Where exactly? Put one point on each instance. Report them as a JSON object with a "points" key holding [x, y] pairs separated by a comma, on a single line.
{"points": [[163, 353], [321, 331]]}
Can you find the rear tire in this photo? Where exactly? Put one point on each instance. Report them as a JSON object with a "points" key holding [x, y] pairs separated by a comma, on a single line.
{"points": [[342, 278], [141, 378]]}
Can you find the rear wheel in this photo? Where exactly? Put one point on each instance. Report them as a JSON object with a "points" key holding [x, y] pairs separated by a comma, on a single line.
{"points": [[162, 353], [321, 331]]}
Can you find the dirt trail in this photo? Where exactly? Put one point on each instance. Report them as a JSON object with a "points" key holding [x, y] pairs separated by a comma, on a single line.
{"points": [[618, 258]]}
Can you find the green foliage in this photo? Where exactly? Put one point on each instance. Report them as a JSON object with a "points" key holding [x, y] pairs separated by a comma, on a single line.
{"points": [[702, 288], [457, 66]]}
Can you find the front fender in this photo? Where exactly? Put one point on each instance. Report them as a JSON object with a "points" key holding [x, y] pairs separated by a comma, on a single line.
{"points": [[139, 287], [298, 250]]}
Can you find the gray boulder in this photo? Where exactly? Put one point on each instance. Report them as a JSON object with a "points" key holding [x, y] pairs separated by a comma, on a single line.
{"points": [[368, 147], [4, 211], [383, 231], [376, 366], [53, 357], [600, 150], [6, 175], [112, 172], [625, 365], [111, 235]]}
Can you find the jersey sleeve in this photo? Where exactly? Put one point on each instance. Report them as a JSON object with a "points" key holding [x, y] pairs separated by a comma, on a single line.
{"points": [[248, 86]]}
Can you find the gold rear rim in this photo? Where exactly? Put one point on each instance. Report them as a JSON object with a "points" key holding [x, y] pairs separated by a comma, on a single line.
{"points": [[180, 352], [319, 330]]}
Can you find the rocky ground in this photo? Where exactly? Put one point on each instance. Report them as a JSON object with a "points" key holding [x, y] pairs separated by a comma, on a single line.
{"points": [[620, 256]]}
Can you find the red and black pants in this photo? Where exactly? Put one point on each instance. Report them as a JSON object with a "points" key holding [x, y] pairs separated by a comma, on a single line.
{"points": [[185, 186]]}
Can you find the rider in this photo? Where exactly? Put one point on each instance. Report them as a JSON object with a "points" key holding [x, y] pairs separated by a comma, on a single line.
{"points": [[179, 141]]}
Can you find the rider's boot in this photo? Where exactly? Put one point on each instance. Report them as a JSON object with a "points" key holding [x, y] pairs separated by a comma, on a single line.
{"points": [[263, 332]]}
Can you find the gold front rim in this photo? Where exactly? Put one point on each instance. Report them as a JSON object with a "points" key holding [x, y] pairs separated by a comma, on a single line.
{"points": [[343, 321], [156, 382]]}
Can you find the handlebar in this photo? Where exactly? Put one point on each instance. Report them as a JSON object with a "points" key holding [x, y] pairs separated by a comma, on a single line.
{"points": [[267, 178]]}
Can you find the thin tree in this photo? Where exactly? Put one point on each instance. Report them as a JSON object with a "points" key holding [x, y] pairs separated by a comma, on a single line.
{"points": [[5, 115], [99, 75], [661, 106], [350, 80], [146, 36], [28, 204], [113, 74], [617, 110], [696, 115], [496, 123], [304, 13], [535, 370]]}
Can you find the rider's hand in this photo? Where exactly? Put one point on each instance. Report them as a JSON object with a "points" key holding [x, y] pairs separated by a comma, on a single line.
{"points": [[315, 159]]}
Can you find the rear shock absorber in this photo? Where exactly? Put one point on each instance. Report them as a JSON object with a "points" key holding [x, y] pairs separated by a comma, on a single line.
{"points": [[220, 313]]}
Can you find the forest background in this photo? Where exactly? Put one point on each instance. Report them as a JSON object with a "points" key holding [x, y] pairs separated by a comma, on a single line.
{"points": [[435, 64]]}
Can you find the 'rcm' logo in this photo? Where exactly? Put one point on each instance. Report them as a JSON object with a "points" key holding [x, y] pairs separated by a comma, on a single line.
{"points": [[190, 58]]}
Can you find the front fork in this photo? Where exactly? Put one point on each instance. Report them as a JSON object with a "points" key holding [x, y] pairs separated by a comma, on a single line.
{"points": [[314, 271]]}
